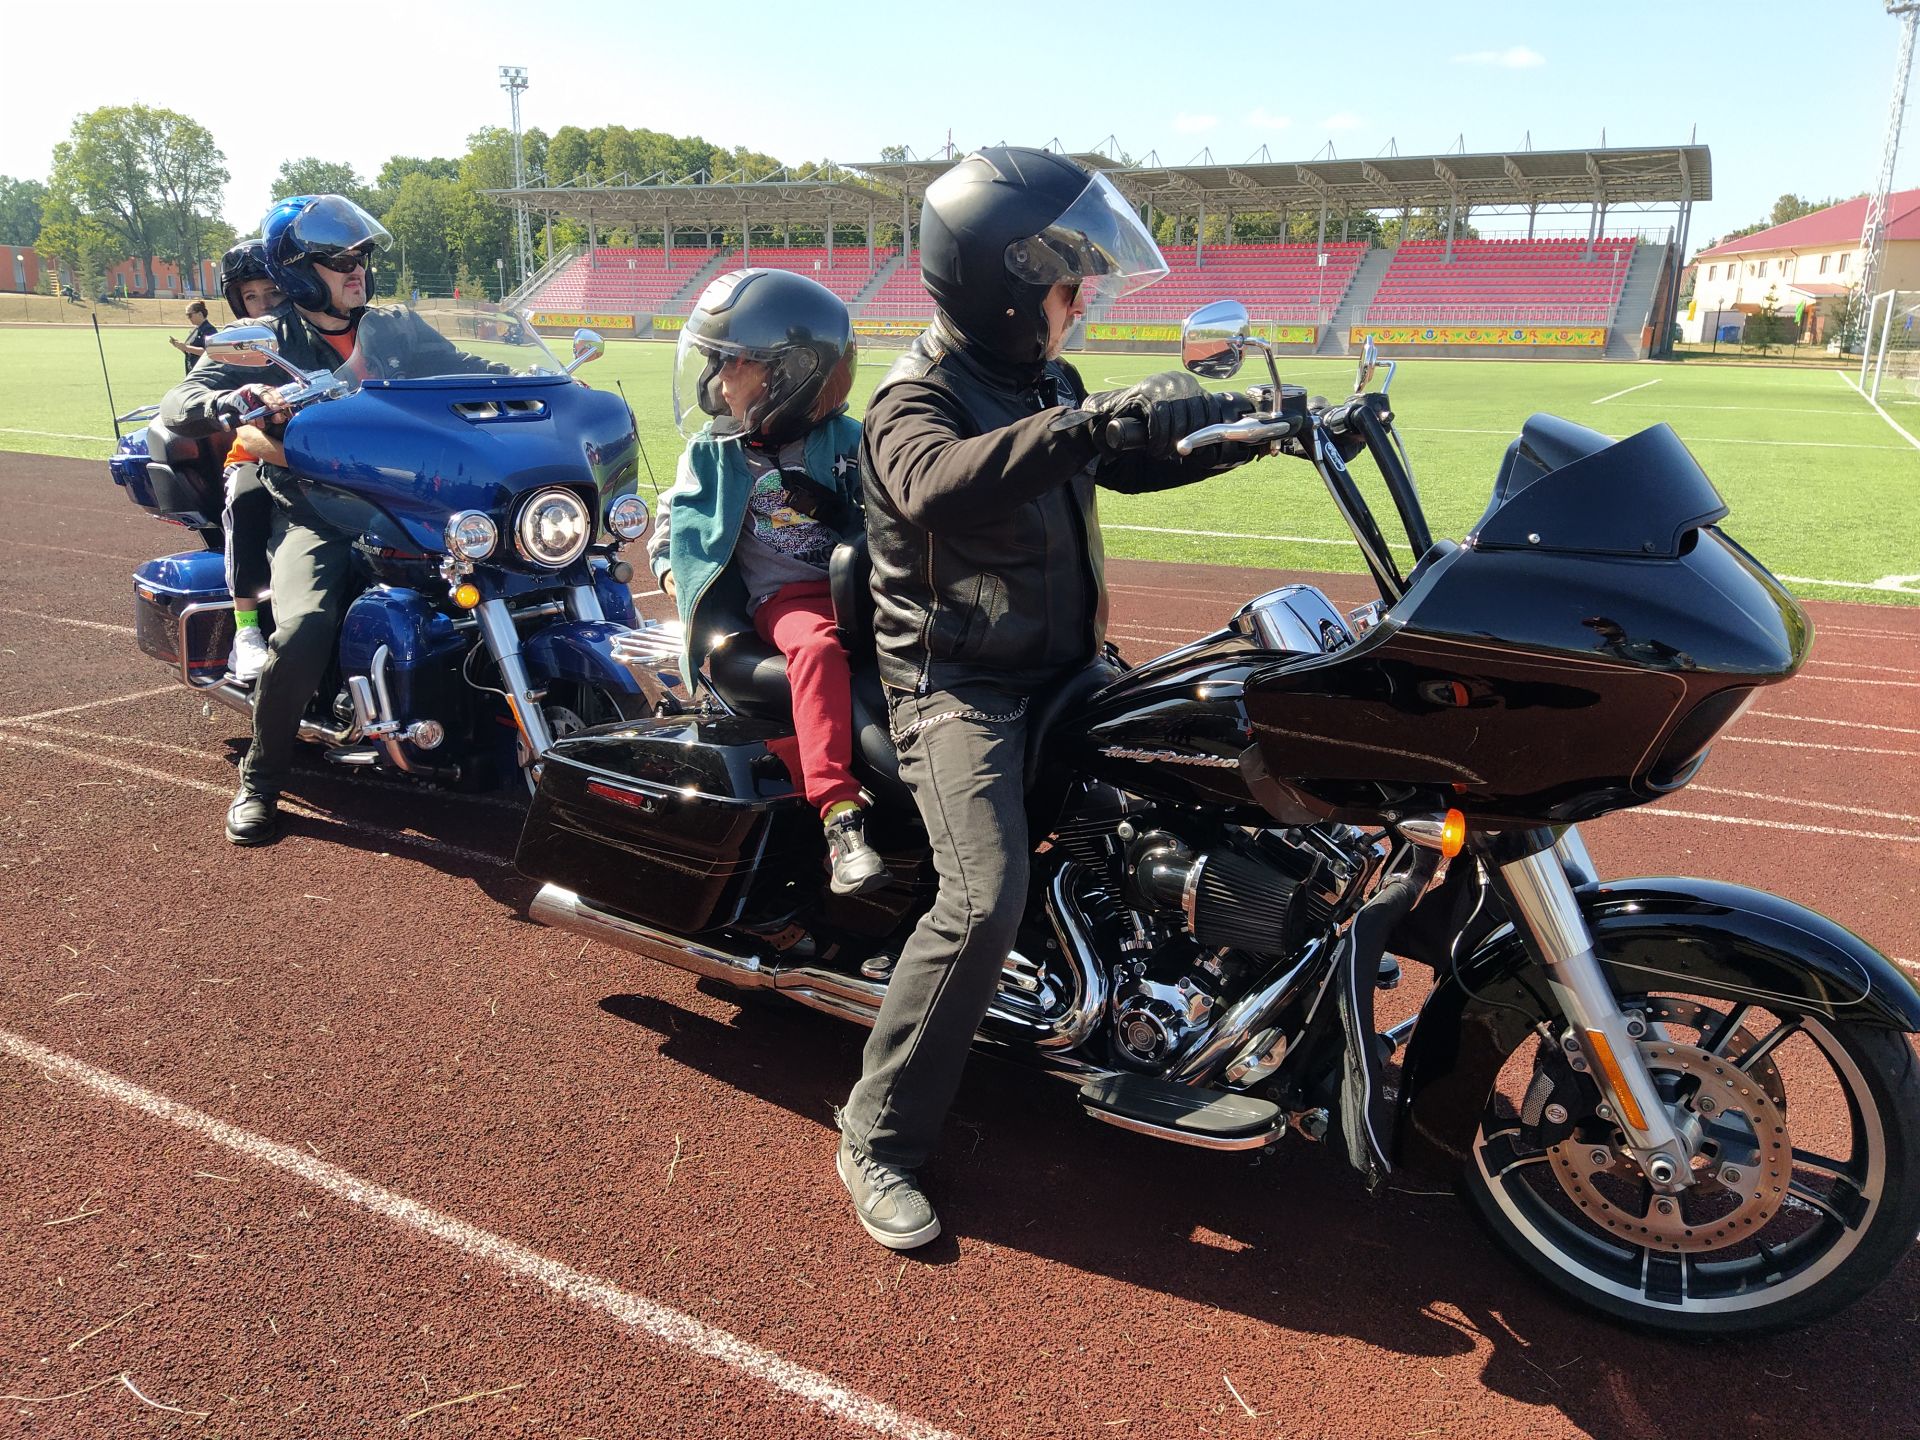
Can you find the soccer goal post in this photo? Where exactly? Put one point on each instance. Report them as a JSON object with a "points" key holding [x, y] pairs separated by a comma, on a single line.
{"points": [[1891, 352]]}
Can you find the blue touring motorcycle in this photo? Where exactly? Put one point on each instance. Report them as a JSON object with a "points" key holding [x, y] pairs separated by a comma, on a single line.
{"points": [[488, 585]]}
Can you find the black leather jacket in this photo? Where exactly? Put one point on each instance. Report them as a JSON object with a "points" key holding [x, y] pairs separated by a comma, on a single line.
{"points": [[981, 518]]}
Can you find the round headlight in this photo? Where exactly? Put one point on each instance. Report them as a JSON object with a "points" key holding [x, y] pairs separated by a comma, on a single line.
{"points": [[627, 517], [471, 535], [554, 528]]}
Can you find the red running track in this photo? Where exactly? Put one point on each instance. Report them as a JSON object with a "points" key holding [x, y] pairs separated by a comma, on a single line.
{"points": [[602, 1158]]}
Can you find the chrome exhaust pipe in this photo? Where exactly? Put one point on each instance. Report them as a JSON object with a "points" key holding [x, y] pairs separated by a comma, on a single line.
{"points": [[565, 910]]}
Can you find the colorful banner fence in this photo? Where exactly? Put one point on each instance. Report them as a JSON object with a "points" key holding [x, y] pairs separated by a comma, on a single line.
{"points": [[567, 319], [1591, 336], [670, 324], [1149, 333], [898, 329]]}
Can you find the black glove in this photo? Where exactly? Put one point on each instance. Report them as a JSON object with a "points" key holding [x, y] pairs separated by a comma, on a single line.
{"points": [[1172, 404], [234, 406]]}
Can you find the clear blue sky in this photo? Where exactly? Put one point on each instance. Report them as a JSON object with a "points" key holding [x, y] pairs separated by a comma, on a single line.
{"points": [[803, 82]]}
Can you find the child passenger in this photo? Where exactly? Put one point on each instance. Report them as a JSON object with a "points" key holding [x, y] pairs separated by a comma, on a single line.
{"points": [[769, 484], [248, 520]]}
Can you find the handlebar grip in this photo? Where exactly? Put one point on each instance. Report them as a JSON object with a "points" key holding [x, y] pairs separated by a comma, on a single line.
{"points": [[1126, 434]]}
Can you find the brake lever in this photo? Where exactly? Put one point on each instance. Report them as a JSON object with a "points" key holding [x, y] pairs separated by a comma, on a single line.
{"points": [[298, 399], [1250, 430]]}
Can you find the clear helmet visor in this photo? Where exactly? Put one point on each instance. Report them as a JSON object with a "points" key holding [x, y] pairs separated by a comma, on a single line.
{"points": [[718, 383], [1098, 243]]}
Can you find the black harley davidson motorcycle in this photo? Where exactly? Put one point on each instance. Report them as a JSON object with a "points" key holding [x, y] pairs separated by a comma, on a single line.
{"points": [[1686, 1104]]}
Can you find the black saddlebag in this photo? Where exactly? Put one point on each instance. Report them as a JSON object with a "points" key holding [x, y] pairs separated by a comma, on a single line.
{"points": [[685, 824]]}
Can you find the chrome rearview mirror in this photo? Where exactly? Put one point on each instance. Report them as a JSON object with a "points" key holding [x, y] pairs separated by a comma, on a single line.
{"points": [[248, 345], [1213, 340], [587, 347], [1369, 357]]}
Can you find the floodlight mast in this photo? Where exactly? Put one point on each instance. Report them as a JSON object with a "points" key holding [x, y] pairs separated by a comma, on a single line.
{"points": [[513, 80], [1873, 232]]}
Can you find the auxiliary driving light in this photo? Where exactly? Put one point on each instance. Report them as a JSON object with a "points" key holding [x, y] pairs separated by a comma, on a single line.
{"points": [[627, 517], [471, 535]]}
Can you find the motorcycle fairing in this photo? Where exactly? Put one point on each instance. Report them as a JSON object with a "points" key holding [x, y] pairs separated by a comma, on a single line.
{"points": [[1698, 936], [580, 650]]}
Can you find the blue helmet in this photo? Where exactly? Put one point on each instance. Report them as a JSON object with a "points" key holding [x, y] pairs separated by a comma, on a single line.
{"points": [[305, 228]]}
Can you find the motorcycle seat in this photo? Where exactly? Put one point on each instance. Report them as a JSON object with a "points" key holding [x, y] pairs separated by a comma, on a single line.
{"points": [[187, 472]]}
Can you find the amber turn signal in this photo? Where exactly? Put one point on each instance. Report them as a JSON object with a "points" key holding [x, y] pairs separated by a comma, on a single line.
{"points": [[466, 596], [1453, 833]]}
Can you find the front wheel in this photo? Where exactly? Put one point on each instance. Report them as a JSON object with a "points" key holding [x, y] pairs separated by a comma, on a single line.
{"points": [[1806, 1183]]}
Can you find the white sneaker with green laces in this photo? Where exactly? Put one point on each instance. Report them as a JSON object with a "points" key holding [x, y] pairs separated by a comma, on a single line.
{"points": [[887, 1202], [249, 655]]}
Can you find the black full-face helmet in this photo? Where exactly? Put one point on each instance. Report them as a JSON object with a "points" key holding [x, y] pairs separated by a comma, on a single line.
{"points": [[795, 327], [1006, 224], [245, 261]]}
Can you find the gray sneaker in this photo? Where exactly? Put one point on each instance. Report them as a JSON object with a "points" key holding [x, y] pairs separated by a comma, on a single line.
{"points": [[887, 1202], [858, 868]]}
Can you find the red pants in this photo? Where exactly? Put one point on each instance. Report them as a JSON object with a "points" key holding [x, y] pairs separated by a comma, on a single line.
{"points": [[798, 620]]}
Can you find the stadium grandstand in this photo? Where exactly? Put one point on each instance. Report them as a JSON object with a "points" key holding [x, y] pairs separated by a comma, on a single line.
{"points": [[1506, 282]]}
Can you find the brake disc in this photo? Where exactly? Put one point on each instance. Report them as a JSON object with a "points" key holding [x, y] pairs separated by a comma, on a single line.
{"points": [[1742, 1164], [1663, 1010]]}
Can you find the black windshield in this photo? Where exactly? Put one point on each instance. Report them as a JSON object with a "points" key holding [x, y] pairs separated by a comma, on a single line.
{"points": [[1639, 496]]}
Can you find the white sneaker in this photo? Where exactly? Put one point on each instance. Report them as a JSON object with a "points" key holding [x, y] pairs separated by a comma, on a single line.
{"points": [[249, 655]]}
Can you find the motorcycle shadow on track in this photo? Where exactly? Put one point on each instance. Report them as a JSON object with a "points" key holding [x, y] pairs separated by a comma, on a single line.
{"points": [[1292, 1241]]}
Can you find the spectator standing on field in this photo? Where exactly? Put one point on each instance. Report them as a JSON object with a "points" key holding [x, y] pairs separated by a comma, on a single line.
{"points": [[195, 345]]}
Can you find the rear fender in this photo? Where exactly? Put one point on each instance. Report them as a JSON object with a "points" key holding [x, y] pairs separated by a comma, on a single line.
{"points": [[579, 650], [1697, 936]]}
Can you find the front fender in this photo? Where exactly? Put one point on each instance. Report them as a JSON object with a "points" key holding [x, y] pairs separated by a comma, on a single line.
{"points": [[579, 650], [1700, 937]]}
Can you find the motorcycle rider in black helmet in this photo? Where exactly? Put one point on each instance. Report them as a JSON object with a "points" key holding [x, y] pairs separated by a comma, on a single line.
{"points": [[318, 249], [982, 453]]}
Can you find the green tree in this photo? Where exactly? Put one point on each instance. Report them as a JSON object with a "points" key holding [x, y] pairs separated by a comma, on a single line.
{"points": [[422, 219], [72, 238], [20, 206], [310, 175], [150, 176], [1762, 330]]}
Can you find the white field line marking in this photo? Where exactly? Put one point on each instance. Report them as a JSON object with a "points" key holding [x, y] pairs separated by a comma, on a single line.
{"points": [[1808, 804], [1756, 409], [1862, 665], [648, 1317], [1812, 745], [1894, 583], [68, 620], [1823, 720], [1854, 386], [56, 435], [1783, 825], [70, 550], [1695, 440], [89, 705], [358, 781], [380, 832], [1628, 391], [1806, 679], [117, 514]]}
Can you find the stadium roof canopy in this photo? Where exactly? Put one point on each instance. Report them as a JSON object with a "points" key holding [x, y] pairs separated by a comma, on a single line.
{"points": [[1508, 179]]}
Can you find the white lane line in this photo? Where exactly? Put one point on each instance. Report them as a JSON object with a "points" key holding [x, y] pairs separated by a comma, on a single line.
{"points": [[379, 832], [70, 550], [55, 435], [1862, 665], [1808, 804], [1811, 745], [1806, 679], [671, 1327], [1693, 440], [1233, 535], [1782, 825], [69, 620], [1854, 386], [89, 705], [1908, 635], [1823, 720], [1628, 391]]}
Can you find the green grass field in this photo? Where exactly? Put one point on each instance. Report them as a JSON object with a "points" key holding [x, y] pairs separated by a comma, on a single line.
{"points": [[1822, 489]]}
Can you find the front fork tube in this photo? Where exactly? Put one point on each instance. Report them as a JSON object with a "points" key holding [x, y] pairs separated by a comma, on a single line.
{"points": [[503, 643], [1600, 1039]]}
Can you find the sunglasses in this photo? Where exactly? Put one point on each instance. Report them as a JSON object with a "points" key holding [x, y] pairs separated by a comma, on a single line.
{"points": [[343, 264]]}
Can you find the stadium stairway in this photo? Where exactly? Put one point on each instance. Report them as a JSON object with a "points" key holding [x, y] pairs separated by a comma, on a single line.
{"points": [[1353, 305], [1636, 303], [880, 277]]}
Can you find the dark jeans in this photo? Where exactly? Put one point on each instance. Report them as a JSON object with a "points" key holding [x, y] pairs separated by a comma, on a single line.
{"points": [[962, 752], [310, 563]]}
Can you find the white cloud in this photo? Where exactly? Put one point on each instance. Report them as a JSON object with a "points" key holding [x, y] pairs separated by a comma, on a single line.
{"points": [[1514, 57], [1341, 120], [1261, 118], [1194, 124]]}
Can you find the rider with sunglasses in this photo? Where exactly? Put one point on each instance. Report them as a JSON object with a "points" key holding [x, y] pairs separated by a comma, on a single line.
{"points": [[318, 248]]}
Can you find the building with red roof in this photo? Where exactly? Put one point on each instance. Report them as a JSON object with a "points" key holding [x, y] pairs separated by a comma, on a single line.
{"points": [[1807, 267]]}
